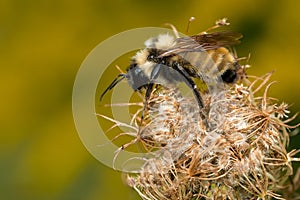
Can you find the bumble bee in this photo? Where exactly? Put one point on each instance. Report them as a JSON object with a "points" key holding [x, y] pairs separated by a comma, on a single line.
{"points": [[167, 60]]}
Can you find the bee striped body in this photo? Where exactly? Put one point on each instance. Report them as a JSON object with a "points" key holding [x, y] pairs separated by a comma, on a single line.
{"points": [[215, 64], [167, 60]]}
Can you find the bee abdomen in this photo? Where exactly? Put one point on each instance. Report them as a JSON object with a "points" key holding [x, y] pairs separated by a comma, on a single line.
{"points": [[225, 65]]}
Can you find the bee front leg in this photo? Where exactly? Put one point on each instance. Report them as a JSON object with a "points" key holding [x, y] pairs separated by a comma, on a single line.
{"points": [[154, 74]]}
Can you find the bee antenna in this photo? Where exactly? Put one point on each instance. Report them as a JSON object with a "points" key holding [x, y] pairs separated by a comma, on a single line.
{"points": [[119, 78], [189, 22]]}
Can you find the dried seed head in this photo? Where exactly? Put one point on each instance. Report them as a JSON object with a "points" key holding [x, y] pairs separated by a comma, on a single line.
{"points": [[242, 155]]}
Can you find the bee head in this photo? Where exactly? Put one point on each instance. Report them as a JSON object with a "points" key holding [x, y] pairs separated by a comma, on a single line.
{"points": [[136, 77]]}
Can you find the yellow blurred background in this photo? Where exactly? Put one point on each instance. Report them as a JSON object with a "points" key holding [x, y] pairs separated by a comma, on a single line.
{"points": [[42, 45]]}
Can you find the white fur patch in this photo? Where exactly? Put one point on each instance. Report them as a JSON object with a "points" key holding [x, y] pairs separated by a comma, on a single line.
{"points": [[147, 68], [141, 56], [163, 41]]}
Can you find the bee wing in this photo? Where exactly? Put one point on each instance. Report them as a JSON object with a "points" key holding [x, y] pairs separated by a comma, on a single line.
{"points": [[203, 42]]}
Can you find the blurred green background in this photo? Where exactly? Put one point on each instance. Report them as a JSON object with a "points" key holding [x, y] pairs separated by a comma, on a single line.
{"points": [[43, 43]]}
